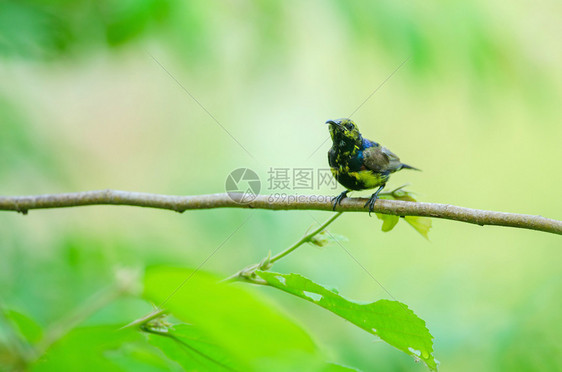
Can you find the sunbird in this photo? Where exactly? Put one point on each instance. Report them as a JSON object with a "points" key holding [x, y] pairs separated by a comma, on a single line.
{"points": [[358, 163]]}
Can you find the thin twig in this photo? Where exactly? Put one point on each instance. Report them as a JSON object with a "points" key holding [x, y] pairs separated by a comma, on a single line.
{"points": [[267, 262], [156, 313], [180, 204], [304, 239]]}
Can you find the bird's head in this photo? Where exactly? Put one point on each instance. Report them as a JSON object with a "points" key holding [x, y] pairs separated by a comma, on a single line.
{"points": [[344, 132]]}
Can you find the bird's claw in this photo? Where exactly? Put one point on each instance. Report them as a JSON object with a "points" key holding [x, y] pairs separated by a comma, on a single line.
{"points": [[337, 200], [371, 203], [372, 200]]}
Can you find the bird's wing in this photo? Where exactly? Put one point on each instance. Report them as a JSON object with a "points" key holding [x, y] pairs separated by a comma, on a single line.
{"points": [[332, 158], [381, 159], [393, 159]]}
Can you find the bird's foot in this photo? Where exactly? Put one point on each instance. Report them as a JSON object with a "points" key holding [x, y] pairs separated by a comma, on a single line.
{"points": [[371, 203], [372, 200], [337, 200]]}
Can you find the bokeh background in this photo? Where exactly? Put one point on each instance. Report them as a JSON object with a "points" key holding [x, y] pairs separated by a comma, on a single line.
{"points": [[85, 104]]}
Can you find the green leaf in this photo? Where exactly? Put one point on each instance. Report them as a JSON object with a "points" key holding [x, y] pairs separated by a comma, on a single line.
{"points": [[398, 194], [26, 326], [388, 221], [392, 321], [128, 19], [99, 348], [334, 367], [190, 347], [421, 224], [254, 333]]}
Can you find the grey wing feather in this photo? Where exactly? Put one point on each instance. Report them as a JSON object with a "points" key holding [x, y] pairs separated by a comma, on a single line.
{"points": [[393, 159], [380, 159]]}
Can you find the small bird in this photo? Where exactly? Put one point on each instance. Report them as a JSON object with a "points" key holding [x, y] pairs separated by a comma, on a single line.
{"points": [[357, 163]]}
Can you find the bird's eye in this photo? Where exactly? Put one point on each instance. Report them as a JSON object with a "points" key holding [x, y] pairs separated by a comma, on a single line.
{"points": [[349, 126]]}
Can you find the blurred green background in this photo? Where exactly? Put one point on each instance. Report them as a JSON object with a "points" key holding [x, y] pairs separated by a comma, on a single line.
{"points": [[84, 105]]}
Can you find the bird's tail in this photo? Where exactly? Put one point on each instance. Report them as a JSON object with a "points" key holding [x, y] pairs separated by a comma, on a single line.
{"points": [[406, 166]]}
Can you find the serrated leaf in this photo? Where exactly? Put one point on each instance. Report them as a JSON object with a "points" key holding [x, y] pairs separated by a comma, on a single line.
{"points": [[421, 224], [392, 321], [255, 333], [388, 221]]}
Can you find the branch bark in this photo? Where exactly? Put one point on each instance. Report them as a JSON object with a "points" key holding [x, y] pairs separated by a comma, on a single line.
{"points": [[180, 204]]}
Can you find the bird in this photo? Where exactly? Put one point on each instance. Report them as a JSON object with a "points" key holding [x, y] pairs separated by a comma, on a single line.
{"points": [[358, 163]]}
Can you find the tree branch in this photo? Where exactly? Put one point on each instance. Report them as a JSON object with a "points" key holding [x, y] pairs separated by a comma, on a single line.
{"points": [[180, 204]]}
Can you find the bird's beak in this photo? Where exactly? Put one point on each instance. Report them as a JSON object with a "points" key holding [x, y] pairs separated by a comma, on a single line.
{"points": [[337, 124]]}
